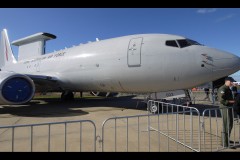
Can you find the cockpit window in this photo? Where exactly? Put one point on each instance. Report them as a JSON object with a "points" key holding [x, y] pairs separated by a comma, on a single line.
{"points": [[183, 43], [192, 42], [187, 42], [171, 43]]}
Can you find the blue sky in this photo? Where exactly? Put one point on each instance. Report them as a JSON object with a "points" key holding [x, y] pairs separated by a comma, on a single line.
{"points": [[214, 27]]}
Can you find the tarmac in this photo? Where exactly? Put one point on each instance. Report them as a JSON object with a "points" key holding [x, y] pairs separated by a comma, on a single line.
{"points": [[125, 134]]}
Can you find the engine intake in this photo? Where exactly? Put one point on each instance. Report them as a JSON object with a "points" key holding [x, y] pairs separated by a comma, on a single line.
{"points": [[15, 88]]}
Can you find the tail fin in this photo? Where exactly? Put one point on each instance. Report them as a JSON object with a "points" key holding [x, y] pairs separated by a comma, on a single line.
{"points": [[6, 54]]}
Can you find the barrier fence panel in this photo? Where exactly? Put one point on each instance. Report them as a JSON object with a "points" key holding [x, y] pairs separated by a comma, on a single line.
{"points": [[174, 128], [47, 137], [213, 130], [182, 124]]}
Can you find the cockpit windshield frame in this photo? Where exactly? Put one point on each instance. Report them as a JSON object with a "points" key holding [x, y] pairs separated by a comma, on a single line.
{"points": [[181, 43]]}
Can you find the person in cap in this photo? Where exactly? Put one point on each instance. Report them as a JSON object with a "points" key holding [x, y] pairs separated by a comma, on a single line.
{"points": [[206, 90], [226, 99]]}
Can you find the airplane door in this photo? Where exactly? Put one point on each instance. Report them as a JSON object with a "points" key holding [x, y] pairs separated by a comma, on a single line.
{"points": [[134, 52]]}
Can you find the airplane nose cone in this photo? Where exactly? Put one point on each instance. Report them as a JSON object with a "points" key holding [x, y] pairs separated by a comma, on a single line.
{"points": [[236, 62], [225, 63], [231, 63]]}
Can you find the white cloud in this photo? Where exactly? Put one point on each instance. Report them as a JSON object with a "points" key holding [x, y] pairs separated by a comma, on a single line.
{"points": [[206, 10], [225, 17]]}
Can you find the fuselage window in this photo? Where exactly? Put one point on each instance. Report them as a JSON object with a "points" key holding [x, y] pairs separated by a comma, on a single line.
{"points": [[171, 43]]}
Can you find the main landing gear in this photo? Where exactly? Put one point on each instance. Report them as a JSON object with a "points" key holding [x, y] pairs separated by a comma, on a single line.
{"points": [[67, 96]]}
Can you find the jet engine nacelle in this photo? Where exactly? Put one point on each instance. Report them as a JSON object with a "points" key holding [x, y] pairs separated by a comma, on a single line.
{"points": [[104, 94], [15, 88]]}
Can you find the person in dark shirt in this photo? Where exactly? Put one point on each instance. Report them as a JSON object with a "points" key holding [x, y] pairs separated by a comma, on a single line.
{"points": [[206, 90], [234, 90], [236, 97], [236, 105]]}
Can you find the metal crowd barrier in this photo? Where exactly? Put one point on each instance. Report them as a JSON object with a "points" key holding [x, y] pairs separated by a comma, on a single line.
{"points": [[212, 124], [32, 134], [174, 128], [186, 124]]}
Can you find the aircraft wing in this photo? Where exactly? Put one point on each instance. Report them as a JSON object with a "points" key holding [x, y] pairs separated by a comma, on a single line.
{"points": [[45, 83]]}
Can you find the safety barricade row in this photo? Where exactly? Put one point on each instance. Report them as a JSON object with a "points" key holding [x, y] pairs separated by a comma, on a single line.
{"points": [[166, 127], [48, 137]]}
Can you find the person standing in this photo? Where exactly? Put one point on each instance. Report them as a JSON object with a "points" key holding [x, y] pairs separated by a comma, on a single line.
{"points": [[234, 90], [206, 90], [226, 100]]}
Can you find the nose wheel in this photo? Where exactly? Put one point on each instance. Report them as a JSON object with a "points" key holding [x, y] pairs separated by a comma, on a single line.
{"points": [[67, 96], [153, 108]]}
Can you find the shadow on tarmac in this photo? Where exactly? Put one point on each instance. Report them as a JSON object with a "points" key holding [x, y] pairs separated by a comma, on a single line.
{"points": [[48, 107]]}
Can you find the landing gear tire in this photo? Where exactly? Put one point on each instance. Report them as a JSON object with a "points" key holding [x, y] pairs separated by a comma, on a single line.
{"points": [[153, 109], [67, 96]]}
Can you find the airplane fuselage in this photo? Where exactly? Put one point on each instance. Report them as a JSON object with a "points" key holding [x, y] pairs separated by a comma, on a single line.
{"points": [[137, 63]]}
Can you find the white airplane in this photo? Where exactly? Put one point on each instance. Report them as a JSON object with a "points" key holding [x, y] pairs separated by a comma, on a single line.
{"points": [[141, 63]]}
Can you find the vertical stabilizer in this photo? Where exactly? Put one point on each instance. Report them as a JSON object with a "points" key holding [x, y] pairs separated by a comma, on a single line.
{"points": [[6, 54]]}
